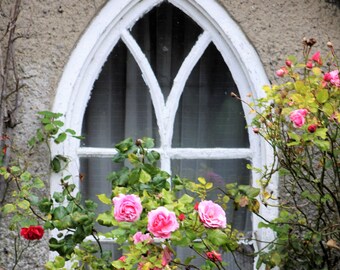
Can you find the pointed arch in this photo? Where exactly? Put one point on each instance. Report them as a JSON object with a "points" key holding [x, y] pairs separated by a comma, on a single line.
{"points": [[109, 26]]}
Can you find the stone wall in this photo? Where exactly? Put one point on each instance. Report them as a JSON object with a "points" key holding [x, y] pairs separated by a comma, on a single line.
{"points": [[53, 27]]}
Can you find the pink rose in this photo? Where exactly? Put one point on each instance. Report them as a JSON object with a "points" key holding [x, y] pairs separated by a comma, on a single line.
{"points": [[140, 237], [127, 207], [335, 80], [309, 64], [166, 256], [161, 222], [281, 72], [214, 256], [212, 215], [298, 117]]}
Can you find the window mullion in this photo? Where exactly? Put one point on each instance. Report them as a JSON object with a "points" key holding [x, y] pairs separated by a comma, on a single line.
{"points": [[180, 81], [149, 78]]}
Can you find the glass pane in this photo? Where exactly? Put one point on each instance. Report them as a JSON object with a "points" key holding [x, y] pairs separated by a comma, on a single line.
{"points": [[166, 36], [120, 104], [208, 116], [95, 172], [219, 172]]}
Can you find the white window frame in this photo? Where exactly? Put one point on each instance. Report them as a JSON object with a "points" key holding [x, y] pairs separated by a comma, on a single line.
{"points": [[110, 25]]}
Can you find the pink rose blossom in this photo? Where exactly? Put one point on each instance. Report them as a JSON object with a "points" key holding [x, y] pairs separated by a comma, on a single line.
{"points": [[335, 80], [316, 58], [140, 237], [212, 215], [214, 256], [298, 117], [281, 72], [309, 64], [161, 222], [166, 256], [127, 207], [122, 258]]}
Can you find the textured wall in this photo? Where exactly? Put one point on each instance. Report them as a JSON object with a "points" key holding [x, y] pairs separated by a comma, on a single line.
{"points": [[274, 27]]}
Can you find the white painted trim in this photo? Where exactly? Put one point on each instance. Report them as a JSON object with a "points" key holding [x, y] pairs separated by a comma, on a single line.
{"points": [[177, 153], [107, 28]]}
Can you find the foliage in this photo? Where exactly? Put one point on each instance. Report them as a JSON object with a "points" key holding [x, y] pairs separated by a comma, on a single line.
{"points": [[299, 118], [145, 246], [152, 213]]}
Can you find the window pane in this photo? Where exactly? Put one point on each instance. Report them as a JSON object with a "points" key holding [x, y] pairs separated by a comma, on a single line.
{"points": [[120, 104], [95, 172], [166, 36], [220, 173], [208, 116]]}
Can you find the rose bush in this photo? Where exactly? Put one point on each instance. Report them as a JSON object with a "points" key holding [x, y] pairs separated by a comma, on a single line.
{"points": [[150, 219]]}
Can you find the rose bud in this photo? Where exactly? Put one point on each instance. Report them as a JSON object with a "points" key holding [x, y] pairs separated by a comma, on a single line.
{"points": [[280, 72], [309, 64], [256, 130], [181, 217], [288, 63], [312, 128]]}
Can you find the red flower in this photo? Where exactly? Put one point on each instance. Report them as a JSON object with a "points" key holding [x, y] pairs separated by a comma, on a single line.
{"points": [[32, 232], [196, 206], [214, 256], [316, 58], [312, 128], [181, 217]]}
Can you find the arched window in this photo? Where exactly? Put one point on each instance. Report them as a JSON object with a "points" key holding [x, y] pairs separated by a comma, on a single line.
{"points": [[164, 69]]}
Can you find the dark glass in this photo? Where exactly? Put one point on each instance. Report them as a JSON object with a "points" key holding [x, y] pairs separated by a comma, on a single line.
{"points": [[166, 35], [120, 104], [208, 116]]}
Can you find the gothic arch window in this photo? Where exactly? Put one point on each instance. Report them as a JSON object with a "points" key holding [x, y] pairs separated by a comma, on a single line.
{"points": [[164, 69]]}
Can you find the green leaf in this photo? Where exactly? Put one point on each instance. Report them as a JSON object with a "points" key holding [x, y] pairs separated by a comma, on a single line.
{"points": [[70, 131], [323, 145], [276, 258], [45, 205], [321, 132], [61, 137], [217, 237], [26, 176], [58, 197], [105, 219], [59, 212], [322, 96], [186, 199], [59, 262], [144, 177], [124, 145], [202, 180], [8, 208], [38, 183], [104, 199], [24, 204]]}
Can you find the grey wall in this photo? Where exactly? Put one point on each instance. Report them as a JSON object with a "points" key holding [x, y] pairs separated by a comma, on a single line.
{"points": [[274, 27]]}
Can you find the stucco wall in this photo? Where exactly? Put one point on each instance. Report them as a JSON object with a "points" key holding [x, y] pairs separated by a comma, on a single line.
{"points": [[274, 27]]}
